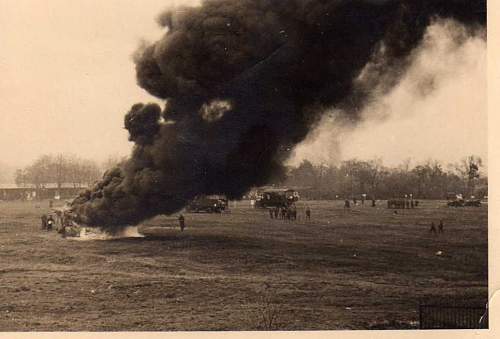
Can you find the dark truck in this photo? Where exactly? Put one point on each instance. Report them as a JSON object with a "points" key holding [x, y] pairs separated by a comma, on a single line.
{"points": [[276, 197], [464, 203], [208, 204]]}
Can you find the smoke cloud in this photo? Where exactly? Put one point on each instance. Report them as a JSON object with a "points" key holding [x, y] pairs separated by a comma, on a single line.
{"points": [[263, 71], [444, 85]]}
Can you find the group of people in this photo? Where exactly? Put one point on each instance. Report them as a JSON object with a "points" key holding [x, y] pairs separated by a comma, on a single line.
{"points": [[59, 220], [48, 222], [440, 228], [287, 212]]}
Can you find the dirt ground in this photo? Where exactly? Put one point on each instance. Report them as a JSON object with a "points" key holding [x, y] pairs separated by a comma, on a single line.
{"points": [[363, 269]]}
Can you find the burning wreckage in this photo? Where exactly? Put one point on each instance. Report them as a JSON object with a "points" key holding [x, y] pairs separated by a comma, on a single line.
{"points": [[241, 79], [65, 223], [70, 225]]}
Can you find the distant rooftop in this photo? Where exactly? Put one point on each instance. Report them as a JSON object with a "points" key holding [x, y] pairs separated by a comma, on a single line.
{"points": [[49, 185]]}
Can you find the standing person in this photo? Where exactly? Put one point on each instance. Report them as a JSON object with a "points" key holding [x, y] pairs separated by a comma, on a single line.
{"points": [[182, 223], [50, 223], [441, 226], [347, 204], [293, 212], [276, 212], [271, 213], [433, 228], [373, 203], [354, 201], [283, 213], [308, 213], [44, 221]]}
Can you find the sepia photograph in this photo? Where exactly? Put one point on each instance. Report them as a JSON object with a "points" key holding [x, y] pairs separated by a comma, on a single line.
{"points": [[244, 165]]}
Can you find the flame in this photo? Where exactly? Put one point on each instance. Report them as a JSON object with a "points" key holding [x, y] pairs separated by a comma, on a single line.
{"points": [[88, 233]]}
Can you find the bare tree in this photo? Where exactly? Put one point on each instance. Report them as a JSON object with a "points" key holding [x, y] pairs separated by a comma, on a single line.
{"points": [[21, 177], [59, 169], [111, 162], [468, 169]]}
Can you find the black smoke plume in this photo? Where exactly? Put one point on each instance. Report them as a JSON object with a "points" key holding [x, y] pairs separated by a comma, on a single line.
{"points": [[243, 82]]}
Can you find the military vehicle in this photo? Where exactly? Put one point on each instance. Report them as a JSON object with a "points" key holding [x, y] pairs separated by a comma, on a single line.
{"points": [[465, 203], [396, 203], [208, 204], [459, 201], [276, 197]]}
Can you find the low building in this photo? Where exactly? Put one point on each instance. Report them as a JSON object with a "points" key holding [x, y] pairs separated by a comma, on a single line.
{"points": [[46, 191]]}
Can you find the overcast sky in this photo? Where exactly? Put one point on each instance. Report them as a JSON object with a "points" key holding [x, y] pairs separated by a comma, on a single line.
{"points": [[67, 79]]}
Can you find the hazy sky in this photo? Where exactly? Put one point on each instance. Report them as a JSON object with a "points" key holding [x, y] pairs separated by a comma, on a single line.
{"points": [[67, 79]]}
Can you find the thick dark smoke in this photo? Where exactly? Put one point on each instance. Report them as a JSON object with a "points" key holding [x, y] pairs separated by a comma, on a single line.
{"points": [[243, 82]]}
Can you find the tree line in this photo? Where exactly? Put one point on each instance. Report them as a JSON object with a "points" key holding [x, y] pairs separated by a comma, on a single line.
{"points": [[353, 178], [61, 169]]}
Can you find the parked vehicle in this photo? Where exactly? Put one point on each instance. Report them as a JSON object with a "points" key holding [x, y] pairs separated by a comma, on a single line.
{"points": [[276, 197], [208, 204]]}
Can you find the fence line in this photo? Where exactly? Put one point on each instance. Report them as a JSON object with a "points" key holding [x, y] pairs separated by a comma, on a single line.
{"points": [[452, 317]]}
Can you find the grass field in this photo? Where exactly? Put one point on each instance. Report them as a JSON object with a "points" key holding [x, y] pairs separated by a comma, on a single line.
{"points": [[365, 269]]}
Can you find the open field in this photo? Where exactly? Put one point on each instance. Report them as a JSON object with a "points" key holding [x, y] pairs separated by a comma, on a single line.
{"points": [[363, 269]]}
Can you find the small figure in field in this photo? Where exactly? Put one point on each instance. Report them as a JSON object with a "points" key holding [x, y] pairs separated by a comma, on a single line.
{"points": [[182, 224], [276, 213], [373, 203], [271, 213], [354, 201], [441, 226], [416, 203], [347, 204], [433, 228], [44, 221], [283, 213], [50, 223], [308, 213], [363, 200], [412, 203], [293, 212]]}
